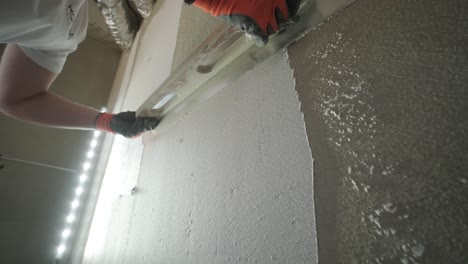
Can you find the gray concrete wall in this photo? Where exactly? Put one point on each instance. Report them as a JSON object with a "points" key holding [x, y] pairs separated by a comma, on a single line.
{"points": [[384, 91], [33, 200]]}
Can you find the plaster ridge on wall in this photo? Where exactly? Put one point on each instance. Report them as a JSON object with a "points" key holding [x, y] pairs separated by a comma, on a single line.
{"points": [[306, 136]]}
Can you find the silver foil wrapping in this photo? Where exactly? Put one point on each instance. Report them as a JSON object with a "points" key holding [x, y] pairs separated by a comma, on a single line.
{"points": [[122, 21], [144, 7]]}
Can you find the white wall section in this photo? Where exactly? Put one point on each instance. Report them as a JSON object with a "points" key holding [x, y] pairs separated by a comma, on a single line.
{"points": [[231, 182]]}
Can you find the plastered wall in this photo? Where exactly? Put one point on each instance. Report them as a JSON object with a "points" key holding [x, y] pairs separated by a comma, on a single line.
{"points": [[230, 182]]}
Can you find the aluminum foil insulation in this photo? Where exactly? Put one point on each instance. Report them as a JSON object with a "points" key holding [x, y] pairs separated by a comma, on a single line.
{"points": [[144, 7], [121, 20]]}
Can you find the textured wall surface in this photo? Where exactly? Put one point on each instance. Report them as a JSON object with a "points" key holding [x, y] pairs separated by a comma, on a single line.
{"points": [[193, 20], [384, 90], [230, 183]]}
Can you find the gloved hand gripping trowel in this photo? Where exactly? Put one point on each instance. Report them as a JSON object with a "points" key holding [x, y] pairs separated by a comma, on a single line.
{"points": [[126, 124], [259, 19]]}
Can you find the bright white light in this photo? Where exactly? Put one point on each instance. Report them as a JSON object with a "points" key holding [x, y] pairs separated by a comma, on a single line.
{"points": [[75, 204], [70, 218], [86, 166], [103, 109], [93, 143], [60, 250], [79, 190], [83, 178], [90, 154], [66, 233]]}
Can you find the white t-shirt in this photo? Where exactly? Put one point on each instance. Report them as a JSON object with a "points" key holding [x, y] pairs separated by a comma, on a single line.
{"points": [[46, 30]]}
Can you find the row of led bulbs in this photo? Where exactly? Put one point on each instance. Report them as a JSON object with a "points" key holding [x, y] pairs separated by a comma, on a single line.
{"points": [[78, 192]]}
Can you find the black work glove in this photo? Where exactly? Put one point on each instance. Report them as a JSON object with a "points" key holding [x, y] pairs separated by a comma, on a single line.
{"points": [[126, 124]]}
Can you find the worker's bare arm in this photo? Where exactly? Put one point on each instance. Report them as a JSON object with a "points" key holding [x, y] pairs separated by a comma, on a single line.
{"points": [[24, 94]]}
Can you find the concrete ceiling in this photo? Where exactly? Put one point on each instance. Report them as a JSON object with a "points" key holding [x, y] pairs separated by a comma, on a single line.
{"points": [[97, 27]]}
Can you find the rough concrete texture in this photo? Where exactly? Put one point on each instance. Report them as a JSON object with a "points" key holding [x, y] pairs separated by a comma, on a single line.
{"points": [[384, 91], [192, 20]]}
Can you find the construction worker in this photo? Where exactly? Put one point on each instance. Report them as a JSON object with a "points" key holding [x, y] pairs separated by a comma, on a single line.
{"points": [[41, 33]]}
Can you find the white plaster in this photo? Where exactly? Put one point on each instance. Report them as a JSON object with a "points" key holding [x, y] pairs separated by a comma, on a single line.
{"points": [[142, 68], [234, 179], [230, 183]]}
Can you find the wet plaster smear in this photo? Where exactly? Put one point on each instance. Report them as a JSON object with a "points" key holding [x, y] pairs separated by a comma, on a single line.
{"points": [[230, 183]]}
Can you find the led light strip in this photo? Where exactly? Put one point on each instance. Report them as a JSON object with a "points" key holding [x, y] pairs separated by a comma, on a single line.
{"points": [[79, 190]]}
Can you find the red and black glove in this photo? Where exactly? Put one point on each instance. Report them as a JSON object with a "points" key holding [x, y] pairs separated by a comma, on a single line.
{"points": [[257, 18], [126, 124]]}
